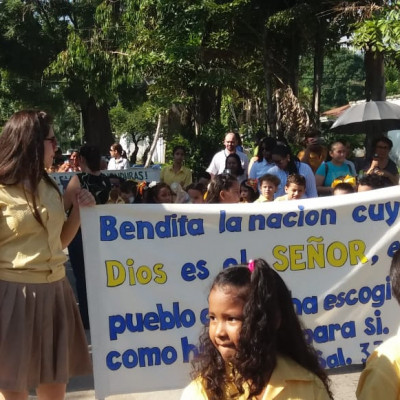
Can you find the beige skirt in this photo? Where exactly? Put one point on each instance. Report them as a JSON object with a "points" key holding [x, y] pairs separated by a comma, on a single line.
{"points": [[41, 335]]}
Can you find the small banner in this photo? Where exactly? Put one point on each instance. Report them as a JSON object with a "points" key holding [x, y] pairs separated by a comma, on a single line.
{"points": [[136, 174]]}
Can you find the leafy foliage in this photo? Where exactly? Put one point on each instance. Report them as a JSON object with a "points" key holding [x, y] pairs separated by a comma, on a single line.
{"points": [[343, 79]]}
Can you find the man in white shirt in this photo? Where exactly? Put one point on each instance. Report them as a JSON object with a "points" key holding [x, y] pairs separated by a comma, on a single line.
{"points": [[217, 164]]}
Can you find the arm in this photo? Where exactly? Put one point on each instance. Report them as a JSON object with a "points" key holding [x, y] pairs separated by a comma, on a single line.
{"points": [[374, 169], [63, 167], [188, 178], [253, 170], [393, 178], [320, 177], [379, 380], [79, 198], [70, 192], [251, 163], [321, 189], [311, 188], [374, 165], [212, 168]]}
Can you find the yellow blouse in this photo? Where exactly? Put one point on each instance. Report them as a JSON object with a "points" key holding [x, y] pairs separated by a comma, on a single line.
{"points": [[183, 176], [29, 252]]}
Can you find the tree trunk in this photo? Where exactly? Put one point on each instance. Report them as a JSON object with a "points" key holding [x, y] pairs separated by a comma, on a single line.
{"points": [[374, 89], [270, 125], [293, 63], [317, 84], [133, 156], [96, 125], [218, 103], [374, 76], [155, 139]]}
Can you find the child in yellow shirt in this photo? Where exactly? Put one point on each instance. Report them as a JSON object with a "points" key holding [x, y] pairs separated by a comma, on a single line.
{"points": [[295, 188], [268, 185]]}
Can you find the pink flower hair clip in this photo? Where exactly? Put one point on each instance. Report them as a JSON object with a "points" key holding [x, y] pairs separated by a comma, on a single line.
{"points": [[250, 266]]}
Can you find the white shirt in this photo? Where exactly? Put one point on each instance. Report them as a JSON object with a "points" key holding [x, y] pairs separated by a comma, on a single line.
{"points": [[121, 163], [218, 162]]}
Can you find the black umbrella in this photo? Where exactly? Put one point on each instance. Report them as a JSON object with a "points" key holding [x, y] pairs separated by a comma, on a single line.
{"points": [[371, 116]]}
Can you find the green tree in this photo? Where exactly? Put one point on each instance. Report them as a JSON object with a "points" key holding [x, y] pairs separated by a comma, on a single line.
{"points": [[343, 79]]}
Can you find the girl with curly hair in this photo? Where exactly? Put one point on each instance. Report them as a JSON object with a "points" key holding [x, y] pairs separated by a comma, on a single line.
{"points": [[254, 346]]}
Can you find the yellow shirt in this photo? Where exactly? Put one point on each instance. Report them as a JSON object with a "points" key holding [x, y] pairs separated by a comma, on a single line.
{"points": [[261, 199], [30, 253], [183, 176], [315, 159], [282, 198], [289, 381], [381, 376]]}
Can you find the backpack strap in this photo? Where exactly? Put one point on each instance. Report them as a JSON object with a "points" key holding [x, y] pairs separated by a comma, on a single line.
{"points": [[326, 172]]}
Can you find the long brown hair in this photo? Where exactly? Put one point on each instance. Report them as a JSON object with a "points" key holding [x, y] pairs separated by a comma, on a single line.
{"points": [[22, 152]]}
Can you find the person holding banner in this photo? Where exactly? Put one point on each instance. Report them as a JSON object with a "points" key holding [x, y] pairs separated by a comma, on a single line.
{"points": [[42, 341], [381, 377], [253, 346]]}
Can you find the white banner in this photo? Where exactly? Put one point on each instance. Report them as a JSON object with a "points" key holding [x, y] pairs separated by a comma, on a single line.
{"points": [[137, 174], [149, 269]]}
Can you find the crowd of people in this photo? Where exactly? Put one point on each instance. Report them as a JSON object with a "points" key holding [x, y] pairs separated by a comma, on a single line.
{"points": [[253, 346], [268, 176], [273, 174]]}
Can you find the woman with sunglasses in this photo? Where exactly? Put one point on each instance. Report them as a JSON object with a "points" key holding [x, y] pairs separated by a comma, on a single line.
{"points": [[264, 158], [42, 341], [287, 164]]}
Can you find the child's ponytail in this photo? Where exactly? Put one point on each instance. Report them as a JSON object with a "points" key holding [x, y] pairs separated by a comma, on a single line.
{"points": [[271, 327], [256, 358]]}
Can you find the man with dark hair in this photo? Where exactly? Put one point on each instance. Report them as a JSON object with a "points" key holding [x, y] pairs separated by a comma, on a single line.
{"points": [[381, 376], [372, 182], [315, 150]]}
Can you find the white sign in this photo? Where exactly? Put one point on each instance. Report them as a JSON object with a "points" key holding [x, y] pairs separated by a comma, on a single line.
{"points": [[137, 174], [150, 267]]}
